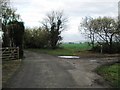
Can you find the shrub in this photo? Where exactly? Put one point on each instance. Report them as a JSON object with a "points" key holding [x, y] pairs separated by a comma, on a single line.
{"points": [[105, 48], [36, 38]]}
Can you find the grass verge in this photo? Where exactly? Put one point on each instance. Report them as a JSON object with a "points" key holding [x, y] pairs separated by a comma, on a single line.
{"points": [[8, 69], [55, 51], [111, 74], [65, 49]]}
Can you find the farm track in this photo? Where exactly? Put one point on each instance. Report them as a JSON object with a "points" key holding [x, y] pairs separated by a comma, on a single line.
{"points": [[46, 71]]}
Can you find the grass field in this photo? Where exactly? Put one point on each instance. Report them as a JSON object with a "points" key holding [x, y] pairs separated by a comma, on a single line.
{"points": [[65, 49], [111, 74], [76, 47]]}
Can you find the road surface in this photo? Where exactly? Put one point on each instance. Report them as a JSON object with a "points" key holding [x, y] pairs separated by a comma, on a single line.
{"points": [[46, 71]]}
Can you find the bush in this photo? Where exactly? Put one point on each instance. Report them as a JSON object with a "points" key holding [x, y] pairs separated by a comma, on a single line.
{"points": [[105, 48], [96, 48], [36, 38], [116, 47]]}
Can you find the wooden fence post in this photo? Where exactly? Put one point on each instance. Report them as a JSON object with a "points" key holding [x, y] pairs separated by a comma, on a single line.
{"points": [[18, 51]]}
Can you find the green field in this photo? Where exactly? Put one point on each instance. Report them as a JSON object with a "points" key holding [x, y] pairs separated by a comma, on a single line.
{"points": [[76, 47], [111, 74], [65, 49]]}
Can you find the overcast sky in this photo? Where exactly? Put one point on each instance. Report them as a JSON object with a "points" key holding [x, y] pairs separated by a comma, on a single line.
{"points": [[33, 11]]}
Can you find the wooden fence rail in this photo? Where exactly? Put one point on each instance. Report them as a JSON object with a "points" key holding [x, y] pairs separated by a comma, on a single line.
{"points": [[9, 53]]}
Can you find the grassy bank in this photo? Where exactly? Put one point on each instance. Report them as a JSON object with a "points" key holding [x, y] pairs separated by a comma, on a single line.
{"points": [[65, 49], [111, 74], [8, 69]]}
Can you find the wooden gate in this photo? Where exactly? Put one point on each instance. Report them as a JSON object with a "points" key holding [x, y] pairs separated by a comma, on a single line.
{"points": [[9, 53]]}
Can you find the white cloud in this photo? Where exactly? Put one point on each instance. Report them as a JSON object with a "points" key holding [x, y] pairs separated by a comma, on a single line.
{"points": [[33, 11]]}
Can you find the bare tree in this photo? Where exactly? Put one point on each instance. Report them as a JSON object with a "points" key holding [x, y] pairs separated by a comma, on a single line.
{"points": [[102, 30], [55, 23], [88, 30]]}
